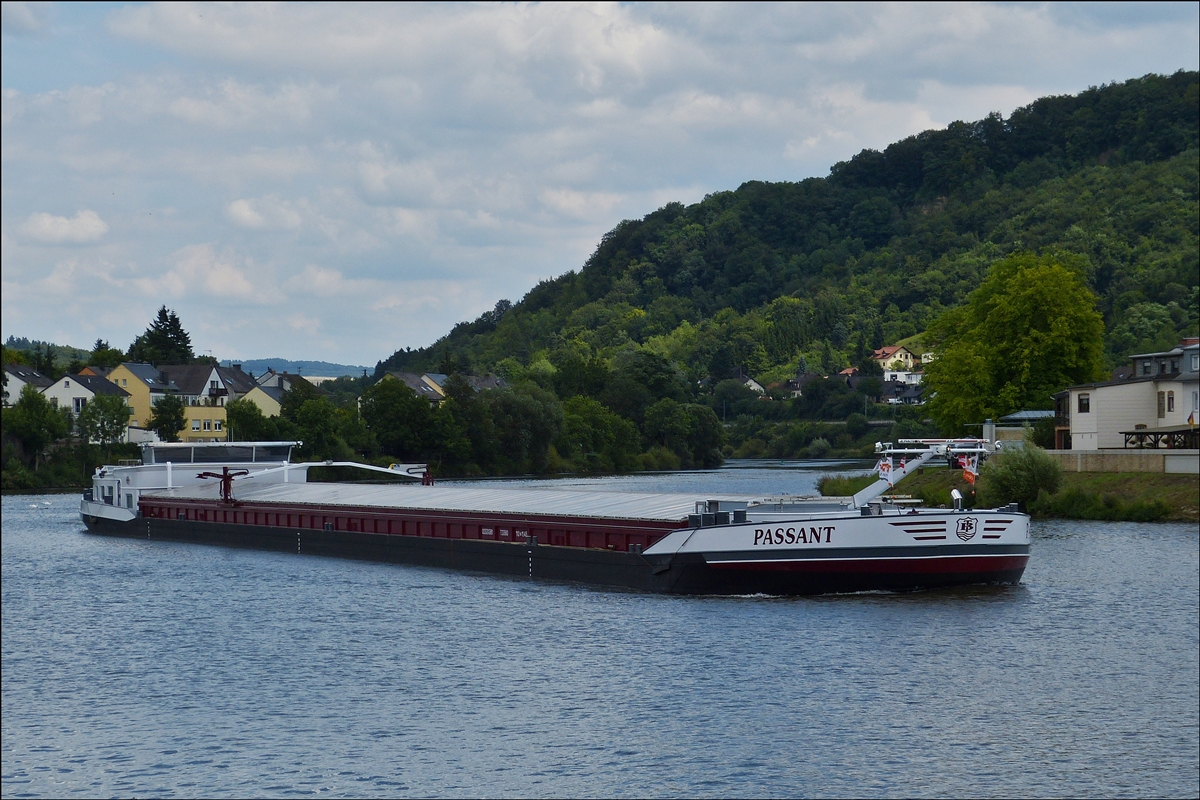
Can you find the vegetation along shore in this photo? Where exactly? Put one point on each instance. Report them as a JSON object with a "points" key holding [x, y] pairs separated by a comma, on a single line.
{"points": [[1125, 496], [1005, 259]]}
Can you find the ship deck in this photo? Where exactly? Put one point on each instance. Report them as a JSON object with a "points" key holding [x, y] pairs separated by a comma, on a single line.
{"points": [[570, 503]]}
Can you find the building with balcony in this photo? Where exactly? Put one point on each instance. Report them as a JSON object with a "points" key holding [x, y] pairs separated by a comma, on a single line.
{"points": [[1157, 406]]}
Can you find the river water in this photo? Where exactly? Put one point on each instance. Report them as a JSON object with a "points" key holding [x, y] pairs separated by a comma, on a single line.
{"points": [[135, 668]]}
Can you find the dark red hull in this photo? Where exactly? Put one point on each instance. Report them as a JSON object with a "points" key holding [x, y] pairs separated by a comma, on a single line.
{"points": [[610, 565]]}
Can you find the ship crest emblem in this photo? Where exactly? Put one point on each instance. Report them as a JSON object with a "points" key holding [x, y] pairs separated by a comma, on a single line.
{"points": [[966, 528]]}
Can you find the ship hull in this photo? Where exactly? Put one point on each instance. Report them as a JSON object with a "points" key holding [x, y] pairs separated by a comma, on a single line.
{"points": [[795, 572]]}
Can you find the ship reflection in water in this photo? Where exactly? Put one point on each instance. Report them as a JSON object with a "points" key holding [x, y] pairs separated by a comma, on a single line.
{"points": [[134, 668]]}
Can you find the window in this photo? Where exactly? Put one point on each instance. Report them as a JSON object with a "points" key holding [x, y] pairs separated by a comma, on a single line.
{"points": [[124, 382], [66, 384], [208, 424], [1146, 367], [212, 386], [1195, 362], [1162, 404], [1170, 402], [1174, 365], [217, 425], [195, 424], [80, 403], [1195, 401], [1085, 403]]}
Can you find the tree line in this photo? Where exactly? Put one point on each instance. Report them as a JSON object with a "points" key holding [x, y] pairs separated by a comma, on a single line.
{"points": [[773, 278]]}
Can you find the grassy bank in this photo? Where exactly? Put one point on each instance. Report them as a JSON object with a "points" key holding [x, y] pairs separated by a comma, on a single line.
{"points": [[1135, 496], [844, 485]]}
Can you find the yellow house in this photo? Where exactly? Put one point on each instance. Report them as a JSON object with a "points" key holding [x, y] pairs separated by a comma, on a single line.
{"points": [[267, 398], [200, 389]]}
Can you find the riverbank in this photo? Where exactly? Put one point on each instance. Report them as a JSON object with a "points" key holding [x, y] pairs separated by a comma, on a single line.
{"points": [[1122, 496], [1131, 496]]}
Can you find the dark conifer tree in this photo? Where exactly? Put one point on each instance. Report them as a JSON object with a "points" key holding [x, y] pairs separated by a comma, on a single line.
{"points": [[164, 342]]}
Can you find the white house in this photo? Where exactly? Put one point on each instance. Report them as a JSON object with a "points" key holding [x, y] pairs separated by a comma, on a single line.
{"points": [[16, 376], [903, 376], [1149, 409], [74, 392]]}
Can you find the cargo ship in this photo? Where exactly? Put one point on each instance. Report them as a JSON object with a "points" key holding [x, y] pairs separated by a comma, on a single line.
{"points": [[250, 494]]}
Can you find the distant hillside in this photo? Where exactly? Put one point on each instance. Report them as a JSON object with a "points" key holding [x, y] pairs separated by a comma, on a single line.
{"points": [[776, 275], [316, 368], [60, 353]]}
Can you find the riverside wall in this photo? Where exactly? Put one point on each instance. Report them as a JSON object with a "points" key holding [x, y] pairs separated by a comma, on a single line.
{"points": [[1162, 461]]}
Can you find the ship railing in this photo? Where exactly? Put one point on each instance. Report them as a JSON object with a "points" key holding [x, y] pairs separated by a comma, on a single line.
{"points": [[413, 472]]}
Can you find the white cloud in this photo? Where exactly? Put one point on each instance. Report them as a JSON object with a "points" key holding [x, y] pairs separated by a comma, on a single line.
{"points": [[580, 205], [387, 170], [198, 270], [265, 212], [85, 226], [234, 104], [325, 282], [242, 213], [23, 18]]}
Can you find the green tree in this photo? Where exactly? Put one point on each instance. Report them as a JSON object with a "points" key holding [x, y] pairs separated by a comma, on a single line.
{"points": [[301, 392], [164, 342], [596, 439], [104, 356], [468, 442], [104, 419], [35, 423], [245, 422], [318, 422], [401, 421], [706, 436], [1029, 330], [352, 429], [166, 418], [528, 420]]}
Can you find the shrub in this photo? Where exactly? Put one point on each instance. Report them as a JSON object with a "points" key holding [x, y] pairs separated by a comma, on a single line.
{"points": [[1017, 475], [844, 485], [660, 458], [819, 447], [857, 425]]}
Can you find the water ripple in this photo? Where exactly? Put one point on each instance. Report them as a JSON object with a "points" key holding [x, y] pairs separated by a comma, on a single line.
{"points": [[174, 670]]}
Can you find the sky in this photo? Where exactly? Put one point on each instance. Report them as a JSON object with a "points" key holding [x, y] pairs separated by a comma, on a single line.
{"points": [[336, 182]]}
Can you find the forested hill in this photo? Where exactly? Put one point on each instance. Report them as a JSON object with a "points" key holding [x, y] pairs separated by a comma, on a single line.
{"points": [[812, 273]]}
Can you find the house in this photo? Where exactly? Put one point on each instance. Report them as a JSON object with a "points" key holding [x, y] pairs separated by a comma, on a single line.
{"points": [[432, 385], [236, 381], [796, 385], [900, 393], [888, 356], [203, 388], [903, 376], [16, 376], [428, 389], [753, 385], [74, 392], [203, 393], [269, 388], [283, 380], [269, 399], [92, 369], [1150, 409], [145, 387]]}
